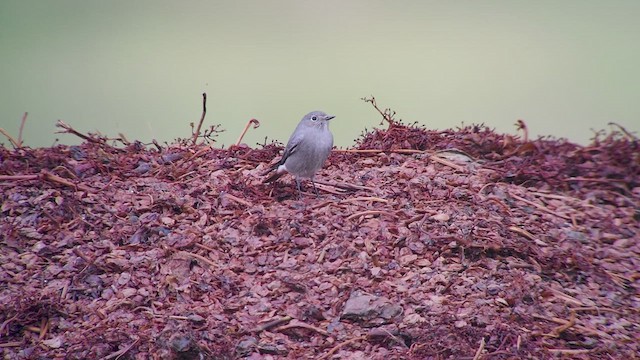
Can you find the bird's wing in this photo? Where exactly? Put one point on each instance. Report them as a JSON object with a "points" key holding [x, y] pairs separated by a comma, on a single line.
{"points": [[289, 150]]}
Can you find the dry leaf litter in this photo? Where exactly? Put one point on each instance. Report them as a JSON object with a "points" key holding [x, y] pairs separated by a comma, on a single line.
{"points": [[458, 244]]}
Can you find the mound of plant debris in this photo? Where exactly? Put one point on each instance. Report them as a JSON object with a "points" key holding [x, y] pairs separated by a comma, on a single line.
{"points": [[422, 245]]}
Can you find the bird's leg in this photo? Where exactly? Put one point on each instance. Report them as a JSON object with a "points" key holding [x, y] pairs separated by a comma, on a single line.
{"points": [[314, 187], [298, 186]]}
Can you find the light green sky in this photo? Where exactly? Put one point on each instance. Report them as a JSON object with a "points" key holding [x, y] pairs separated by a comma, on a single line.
{"points": [[139, 67]]}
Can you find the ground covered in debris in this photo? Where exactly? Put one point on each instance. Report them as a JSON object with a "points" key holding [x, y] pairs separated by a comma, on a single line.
{"points": [[455, 244]]}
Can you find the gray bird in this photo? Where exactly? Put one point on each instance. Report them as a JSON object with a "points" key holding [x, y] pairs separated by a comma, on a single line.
{"points": [[307, 149]]}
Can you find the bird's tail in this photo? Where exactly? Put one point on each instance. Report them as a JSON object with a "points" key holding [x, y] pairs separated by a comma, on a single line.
{"points": [[275, 175]]}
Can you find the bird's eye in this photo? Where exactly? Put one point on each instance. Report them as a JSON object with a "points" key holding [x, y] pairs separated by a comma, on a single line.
{"points": [[314, 118]]}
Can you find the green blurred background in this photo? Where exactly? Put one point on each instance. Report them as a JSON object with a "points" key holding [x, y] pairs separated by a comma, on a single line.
{"points": [[139, 67]]}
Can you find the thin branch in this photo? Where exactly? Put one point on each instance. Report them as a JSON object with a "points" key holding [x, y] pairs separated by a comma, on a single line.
{"points": [[300, 324], [435, 158], [204, 113], [24, 120], [341, 345], [540, 207], [630, 135], [371, 212], [255, 123], [344, 185], [90, 138], [123, 139], [375, 151], [198, 257], [480, 349], [47, 176], [384, 333], [272, 323], [520, 125], [564, 327], [446, 162], [580, 328], [236, 199], [365, 198], [121, 352], [569, 352], [597, 309], [528, 235], [15, 143], [70, 130], [387, 114]]}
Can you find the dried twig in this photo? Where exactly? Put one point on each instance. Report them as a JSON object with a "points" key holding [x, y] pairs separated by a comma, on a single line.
{"points": [[600, 181], [7, 322], [45, 323], [236, 199], [528, 235], [583, 329], [619, 279], [123, 139], [155, 143], [414, 219], [198, 257], [18, 177], [375, 151], [569, 351], [341, 345], [120, 352], [566, 298], [540, 207], [446, 162], [435, 158], [47, 176], [204, 113], [100, 140], [384, 333], [205, 247], [300, 324], [330, 189], [255, 123], [24, 120], [387, 114], [344, 185], [11, 344], [630, 135], [520, 125], [564, 327], [68, 129], [480, 349], [597, 309], [198, 153], [272, 323], [371, 212], [365, 198], [15, 143]]}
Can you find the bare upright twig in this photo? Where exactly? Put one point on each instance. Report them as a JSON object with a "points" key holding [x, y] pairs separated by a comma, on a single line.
{"points": [[629, 135], [520, 125], [24, 120], [68, 129], [15, 143], [387, 114], [204, 112], [255, 123], [92, 138]]}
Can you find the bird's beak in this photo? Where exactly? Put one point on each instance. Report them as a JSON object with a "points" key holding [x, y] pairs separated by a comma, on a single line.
{"points": [[329, 117]]}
